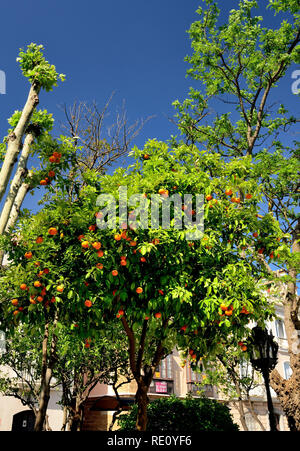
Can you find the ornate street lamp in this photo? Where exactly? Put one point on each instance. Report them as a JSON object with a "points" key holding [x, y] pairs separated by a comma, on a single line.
{"points": [[263, 357]]}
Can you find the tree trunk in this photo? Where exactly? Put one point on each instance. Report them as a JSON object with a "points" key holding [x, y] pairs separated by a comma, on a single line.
{"points": [[65, 419], [16, 182], [76, 418], [15, 138], [142, 402], [14, 213], [241, 409], [254, 414], [288, 392], [46, 376]]}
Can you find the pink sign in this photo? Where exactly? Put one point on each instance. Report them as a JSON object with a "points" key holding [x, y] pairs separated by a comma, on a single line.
{"points": [[161, 387]]}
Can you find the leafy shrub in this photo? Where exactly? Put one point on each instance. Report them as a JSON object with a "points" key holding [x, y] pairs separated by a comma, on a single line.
{"points": [[177, 415]]}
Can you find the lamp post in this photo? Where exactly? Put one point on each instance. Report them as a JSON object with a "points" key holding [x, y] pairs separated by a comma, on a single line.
{"points": [[263, 357]]}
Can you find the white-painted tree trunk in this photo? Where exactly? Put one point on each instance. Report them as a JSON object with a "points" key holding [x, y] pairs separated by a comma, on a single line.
{"points": [[13, 217], [23, 190], [15, 138], [16, 182]]}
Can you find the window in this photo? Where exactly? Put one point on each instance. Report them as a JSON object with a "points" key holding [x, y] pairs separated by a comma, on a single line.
{"points": [[192, 376], [163, 377], [164, 370], [280, 329], [193, 379], [287, 370]]}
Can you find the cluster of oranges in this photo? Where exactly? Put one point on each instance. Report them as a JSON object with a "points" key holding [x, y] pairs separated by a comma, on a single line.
{"points": [[37, 284], [55, 157], [227, 310], [229, 192], [192, 354], [34, 298], [47, 180]]}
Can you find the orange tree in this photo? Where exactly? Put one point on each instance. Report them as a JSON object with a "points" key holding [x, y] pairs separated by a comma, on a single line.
{"points": [[242, 61], [165, 290]]}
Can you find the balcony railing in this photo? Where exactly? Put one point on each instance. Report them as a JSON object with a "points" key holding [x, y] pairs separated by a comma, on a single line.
{"points": [[194, 388]]}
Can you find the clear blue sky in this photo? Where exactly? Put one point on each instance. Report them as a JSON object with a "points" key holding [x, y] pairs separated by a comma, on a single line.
{"points": [[135, 48]]}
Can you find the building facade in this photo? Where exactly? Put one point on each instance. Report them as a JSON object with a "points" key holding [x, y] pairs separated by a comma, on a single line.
{"points": [[170, 378]]}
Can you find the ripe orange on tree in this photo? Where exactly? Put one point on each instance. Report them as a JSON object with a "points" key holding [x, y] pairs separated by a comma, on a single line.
{"points": [[28, 254], [52, 231], [114, 272], [96, 245], [15, 302], [39, 240], [60, 288], [88, 303], [139, 290], [23, 286], [85, 244]]}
